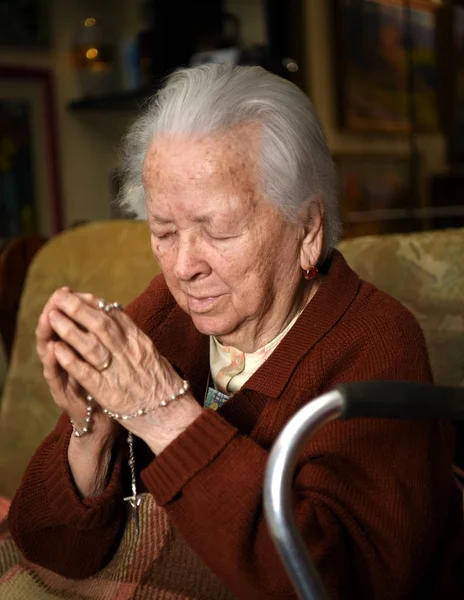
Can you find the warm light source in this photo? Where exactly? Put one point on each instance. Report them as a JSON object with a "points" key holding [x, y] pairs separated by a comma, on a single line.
{"points": [[90, 22], [290, 64], [91, 53]]}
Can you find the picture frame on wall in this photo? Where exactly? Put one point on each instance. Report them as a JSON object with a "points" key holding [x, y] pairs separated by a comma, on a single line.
{"points": [[373, 53], [30, 188], [375, 194], [452, 97]]}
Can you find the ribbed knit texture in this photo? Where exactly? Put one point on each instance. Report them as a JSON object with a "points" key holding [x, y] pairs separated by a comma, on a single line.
{"points": [[375, 499]]}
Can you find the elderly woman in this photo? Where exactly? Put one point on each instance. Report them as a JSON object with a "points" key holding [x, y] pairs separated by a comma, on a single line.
{"points": [[254, 315]]}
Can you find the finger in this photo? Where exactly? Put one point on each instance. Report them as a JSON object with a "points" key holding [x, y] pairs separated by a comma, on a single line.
{"points": [[85, 343], [44, 331], [105, 326], [85, 375], [76, 398], [89, 299], [49, 363], [118, 315], [50, 305], [66, 391], [52, 375]]}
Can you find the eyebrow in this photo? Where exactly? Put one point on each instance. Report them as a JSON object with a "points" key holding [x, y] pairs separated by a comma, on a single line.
{"points": [[200, 219], [160, 220]]}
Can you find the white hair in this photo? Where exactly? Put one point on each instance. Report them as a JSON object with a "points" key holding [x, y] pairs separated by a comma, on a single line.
{"points": [[296, 168]]}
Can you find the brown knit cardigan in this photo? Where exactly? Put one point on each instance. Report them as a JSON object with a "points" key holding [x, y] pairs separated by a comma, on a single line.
{"points": [[375, 499]]}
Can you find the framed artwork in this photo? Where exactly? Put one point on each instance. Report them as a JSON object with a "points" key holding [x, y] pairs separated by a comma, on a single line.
{"points": [[30, 191], [453, 96], [381, 53], [456, 145], [375, 194], [25, 23]]}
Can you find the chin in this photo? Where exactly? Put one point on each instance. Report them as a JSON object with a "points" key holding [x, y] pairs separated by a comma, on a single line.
{"points": [[211, 325]]}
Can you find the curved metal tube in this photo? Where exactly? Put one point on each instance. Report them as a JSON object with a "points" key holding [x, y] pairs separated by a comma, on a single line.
{"points": [[278, 486]]}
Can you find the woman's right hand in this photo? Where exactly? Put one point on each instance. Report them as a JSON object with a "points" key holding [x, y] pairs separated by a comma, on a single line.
{"points": [[89, 456]]}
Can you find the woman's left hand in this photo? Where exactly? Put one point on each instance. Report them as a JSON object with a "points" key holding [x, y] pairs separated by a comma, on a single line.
{"points": [[136, 377]]}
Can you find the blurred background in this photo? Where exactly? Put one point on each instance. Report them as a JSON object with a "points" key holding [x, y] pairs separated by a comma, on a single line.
{"points": [[386, 77]]}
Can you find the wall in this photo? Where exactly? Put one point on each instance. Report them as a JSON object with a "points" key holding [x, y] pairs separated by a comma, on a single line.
{"points": [[252, 23], [20, 90], [89, 143], [321, 87]]}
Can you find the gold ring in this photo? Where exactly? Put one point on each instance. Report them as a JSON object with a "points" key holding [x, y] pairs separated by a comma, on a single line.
{"points": [[108, 362]]}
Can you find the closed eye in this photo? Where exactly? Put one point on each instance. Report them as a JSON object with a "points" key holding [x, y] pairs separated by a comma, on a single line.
{"points": [[222, 237], [163, 236]]}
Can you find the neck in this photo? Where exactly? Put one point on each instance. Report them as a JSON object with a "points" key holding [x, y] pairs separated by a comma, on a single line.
{"points": [[266, 330]]}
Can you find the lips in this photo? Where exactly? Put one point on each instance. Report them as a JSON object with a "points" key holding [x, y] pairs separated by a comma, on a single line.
{"points": [[201, 304]]}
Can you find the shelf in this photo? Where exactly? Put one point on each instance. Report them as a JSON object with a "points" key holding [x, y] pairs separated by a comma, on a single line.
{"points": [[128, 100], [425, 212]]}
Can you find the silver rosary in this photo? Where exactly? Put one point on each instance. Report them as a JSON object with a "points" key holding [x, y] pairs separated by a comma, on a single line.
{"points": [[135, 499], [88, 419]]}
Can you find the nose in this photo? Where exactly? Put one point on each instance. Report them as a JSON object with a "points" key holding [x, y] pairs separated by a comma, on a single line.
{"points": [[190, 260]]}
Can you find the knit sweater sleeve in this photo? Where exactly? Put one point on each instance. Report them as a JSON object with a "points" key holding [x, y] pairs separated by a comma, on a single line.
{"points": [[49, 521], [358, 494]]}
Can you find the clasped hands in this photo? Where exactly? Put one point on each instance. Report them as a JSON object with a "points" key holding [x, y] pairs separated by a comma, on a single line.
{"points": [[76, 341]]}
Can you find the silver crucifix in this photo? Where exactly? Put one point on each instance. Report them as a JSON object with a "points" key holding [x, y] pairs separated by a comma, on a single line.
{"points": [[135, 500]]}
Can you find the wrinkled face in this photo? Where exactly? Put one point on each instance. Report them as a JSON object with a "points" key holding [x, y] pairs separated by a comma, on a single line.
{"points": [[231, 261]]}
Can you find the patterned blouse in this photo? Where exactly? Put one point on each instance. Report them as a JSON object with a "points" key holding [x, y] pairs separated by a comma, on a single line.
{"points": [[230, 368]]}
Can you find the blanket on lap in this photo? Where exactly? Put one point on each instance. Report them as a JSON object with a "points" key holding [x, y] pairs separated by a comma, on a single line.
{"points": [[157, 565]]}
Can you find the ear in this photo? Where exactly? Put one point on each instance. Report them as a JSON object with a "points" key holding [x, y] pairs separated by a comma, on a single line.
{"points": [[311, 244]]}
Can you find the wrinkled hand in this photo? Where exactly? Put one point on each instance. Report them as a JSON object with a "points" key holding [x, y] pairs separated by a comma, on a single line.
{"points": [[138, 376], [68, 394]]}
